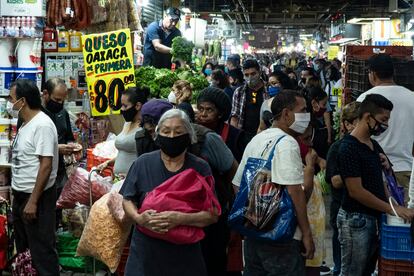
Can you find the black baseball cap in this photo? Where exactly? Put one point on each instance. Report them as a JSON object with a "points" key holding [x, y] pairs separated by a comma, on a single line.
{"points": [[174, 13]]}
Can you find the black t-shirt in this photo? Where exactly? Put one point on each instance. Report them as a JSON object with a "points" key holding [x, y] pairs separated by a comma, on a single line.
{"points": [[332, 169], [254, 100], [150, 256], [356, 159]]}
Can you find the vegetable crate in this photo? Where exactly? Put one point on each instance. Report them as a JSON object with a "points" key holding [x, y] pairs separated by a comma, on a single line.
{"points": [[94, 161], [395, 268], [396, 242]]}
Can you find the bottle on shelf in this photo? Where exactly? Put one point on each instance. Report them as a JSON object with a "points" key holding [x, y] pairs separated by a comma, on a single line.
{"points": [[16, 26], [50, 40], [75, 41], [2, 27], [63, 41], [32, 26], [10, 31]]}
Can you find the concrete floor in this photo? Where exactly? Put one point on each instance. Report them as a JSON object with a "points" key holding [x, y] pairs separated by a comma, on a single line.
{"points": [[328, 234]]}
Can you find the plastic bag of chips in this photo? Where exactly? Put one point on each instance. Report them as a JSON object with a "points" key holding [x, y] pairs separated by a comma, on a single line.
{"points": [[103, 236], [115, 206]]}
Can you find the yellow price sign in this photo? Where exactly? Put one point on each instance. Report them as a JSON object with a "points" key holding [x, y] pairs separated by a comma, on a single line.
{"points": [[109, 69], [333, 52], [337, 92]]}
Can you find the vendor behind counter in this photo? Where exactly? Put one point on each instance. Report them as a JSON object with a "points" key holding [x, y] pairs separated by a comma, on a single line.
{"points": [[158, 40]]}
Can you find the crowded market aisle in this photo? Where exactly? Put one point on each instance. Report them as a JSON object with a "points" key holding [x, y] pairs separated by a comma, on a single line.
{"points": [[220, 139]]}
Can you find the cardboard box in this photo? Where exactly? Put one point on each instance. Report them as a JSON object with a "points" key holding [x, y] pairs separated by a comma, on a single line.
{"points": [[23, 8]]}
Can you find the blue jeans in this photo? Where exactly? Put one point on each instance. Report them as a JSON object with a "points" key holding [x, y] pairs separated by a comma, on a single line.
{"points": [[358, 237], [336, 246], [273, 259]]}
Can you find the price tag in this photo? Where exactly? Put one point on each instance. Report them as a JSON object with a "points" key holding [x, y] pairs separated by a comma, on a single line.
{"points": [[337, 92], [109, 69]]}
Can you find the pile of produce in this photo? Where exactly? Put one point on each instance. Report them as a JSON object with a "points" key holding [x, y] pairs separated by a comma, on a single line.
{"points": [[182, 49], [161, 81]]}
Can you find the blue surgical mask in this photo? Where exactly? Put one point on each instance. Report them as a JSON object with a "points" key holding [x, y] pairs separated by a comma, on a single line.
{"points": [[316, 67], [226, 70], [208, 71], [273, 90]]}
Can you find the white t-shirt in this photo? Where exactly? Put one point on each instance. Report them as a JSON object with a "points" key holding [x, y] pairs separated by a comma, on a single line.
{"points": [[287, 167], [398, 140], [36, 138]]}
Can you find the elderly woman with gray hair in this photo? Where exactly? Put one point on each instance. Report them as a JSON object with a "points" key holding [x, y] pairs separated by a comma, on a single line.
{"points": [[150, 256]]}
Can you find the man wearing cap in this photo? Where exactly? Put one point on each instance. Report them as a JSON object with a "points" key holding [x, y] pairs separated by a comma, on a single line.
{"points": [[158, 40]]}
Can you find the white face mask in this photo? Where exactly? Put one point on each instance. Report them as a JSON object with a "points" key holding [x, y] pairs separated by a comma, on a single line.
{"points": [[11, 111], [172, 98], [301, 122]]}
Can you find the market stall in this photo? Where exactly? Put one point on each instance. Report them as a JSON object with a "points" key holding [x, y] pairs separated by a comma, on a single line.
{"points": [[96, 47]]}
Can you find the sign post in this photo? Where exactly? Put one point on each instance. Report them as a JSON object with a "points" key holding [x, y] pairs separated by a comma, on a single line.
{"points": [[109, 69]]}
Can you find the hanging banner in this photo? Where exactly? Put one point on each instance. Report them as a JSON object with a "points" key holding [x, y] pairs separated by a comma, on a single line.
{"points": [[337, 93], [109, 69], [333, 52]]}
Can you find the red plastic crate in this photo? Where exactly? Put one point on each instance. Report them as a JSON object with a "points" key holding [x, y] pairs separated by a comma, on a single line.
{"points": [[94, 161], [395, 268]]}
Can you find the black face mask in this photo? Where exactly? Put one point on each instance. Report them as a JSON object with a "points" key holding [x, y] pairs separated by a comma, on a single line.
{"points": [[54, 107], [173, 146], [129, 114], [378, 129]]}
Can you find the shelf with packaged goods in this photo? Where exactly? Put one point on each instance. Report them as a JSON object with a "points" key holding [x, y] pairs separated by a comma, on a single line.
{"points": [[19, 38], [68, 54]]}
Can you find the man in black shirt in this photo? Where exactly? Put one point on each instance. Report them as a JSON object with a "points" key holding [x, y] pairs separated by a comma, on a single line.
{"points": [[158, 39], [361, 161], [247, 100], [54, 96], [349, 119]]}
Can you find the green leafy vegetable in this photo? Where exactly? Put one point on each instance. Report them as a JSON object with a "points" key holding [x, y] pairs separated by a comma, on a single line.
{"points": [[161, 81], [182, 49]]}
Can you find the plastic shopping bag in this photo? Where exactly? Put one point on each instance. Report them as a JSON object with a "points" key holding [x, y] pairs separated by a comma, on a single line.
{"points": [[187, 192], [396, 191], [262, 210], [263, 200], [77, 189], [22, 265]]}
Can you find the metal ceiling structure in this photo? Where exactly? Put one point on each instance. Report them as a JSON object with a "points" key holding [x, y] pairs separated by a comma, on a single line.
{"points": [[292, 14]]}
